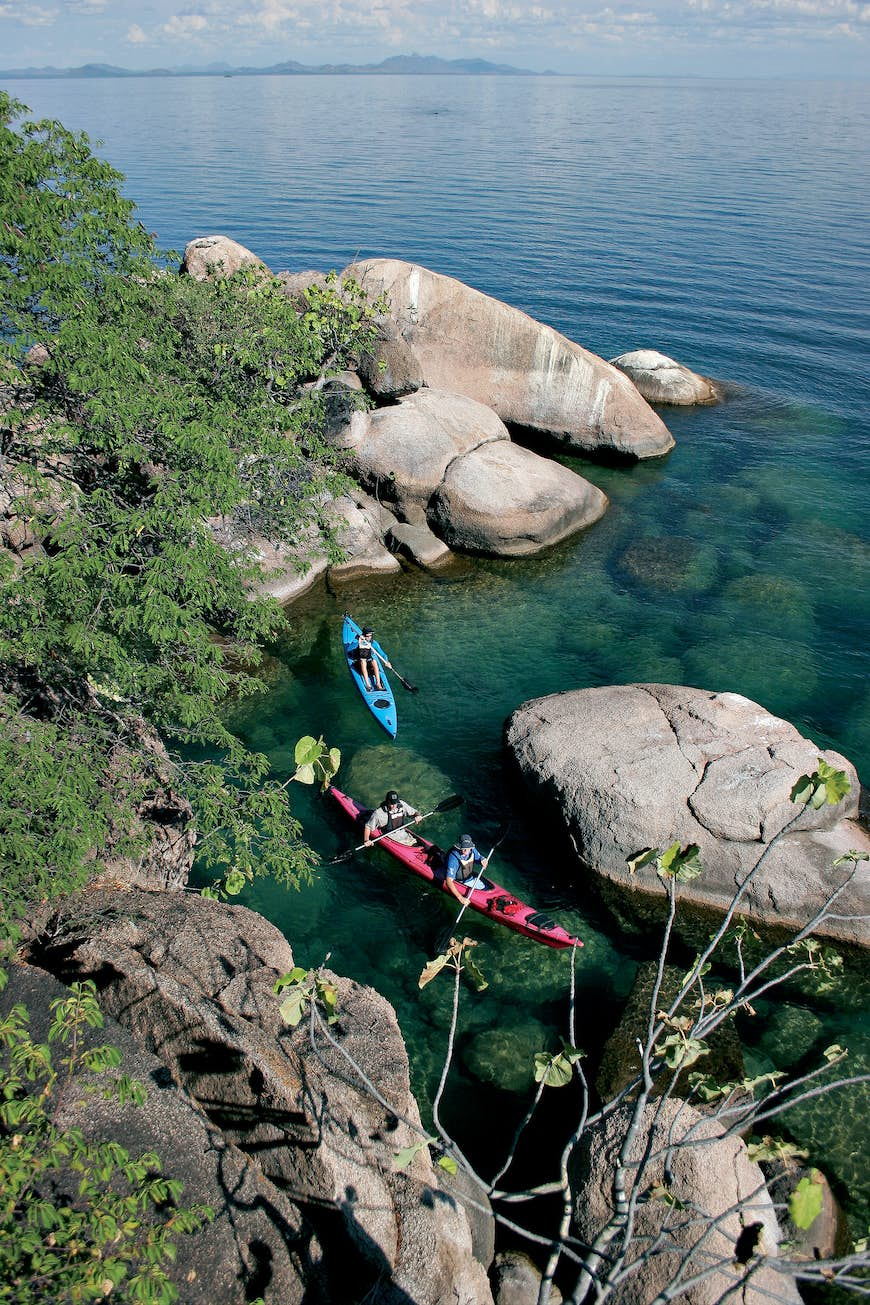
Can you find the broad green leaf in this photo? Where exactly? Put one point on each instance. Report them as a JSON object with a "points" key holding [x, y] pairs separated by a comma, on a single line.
{"points": [[554, 1070], [304, 774], [307, 750], [638, 859], [292, 1008], [668, 857], [447, 1163], [805, 1202], [432, 968], [234, 882], [405, 1156], [296, 975], [802, 790]]}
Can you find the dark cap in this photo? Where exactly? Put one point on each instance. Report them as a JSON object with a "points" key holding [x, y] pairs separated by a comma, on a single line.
{"points": [[391, 798], [465, 841], [368, 630]]}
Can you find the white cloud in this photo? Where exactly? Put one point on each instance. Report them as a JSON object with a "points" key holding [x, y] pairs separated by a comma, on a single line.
{"points": [[135, 35], [29, 15], [181, 26]]}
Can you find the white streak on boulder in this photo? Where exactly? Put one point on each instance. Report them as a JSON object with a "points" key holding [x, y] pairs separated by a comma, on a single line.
{"points": [[442, 333]]}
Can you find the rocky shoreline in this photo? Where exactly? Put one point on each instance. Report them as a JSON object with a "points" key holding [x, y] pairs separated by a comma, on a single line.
{"points": [[296, 1154]]}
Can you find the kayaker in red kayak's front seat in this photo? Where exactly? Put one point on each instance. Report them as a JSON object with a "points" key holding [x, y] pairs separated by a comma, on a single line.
{"points": [[367, 659], [462, 860], [387, 818]]}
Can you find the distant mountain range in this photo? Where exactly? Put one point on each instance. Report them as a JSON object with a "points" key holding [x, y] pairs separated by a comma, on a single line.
{"points": [[417, 64]]}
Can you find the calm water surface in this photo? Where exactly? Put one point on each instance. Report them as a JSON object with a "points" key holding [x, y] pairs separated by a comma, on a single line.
{"points": [[721, 222]]}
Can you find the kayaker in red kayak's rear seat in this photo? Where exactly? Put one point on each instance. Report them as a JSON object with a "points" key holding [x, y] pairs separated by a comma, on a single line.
{"points": [[387, 818], [462, 860]]}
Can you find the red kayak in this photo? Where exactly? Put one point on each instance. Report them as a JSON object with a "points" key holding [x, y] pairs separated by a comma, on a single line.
{"points": [[428, 861]]}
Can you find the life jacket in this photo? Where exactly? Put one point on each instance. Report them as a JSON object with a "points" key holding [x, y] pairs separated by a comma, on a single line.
{"points": [[363, 645], [395, 820]]}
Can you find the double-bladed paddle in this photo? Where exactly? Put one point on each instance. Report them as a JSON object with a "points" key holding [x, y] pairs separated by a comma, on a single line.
{"points": [[448, 804]]}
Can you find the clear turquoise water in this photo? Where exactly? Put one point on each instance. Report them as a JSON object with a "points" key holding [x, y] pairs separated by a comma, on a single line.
{"points": [[722, 222]]}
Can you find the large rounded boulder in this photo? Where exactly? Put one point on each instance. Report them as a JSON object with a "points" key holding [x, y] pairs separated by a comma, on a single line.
{"points": [[504, 500], [662, 380], [404, 450], [444, 334], [217, 256], [712, 1233], [642, 765]]}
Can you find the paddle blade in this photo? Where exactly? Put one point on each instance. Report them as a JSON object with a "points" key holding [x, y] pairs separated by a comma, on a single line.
{"points": [[449, 803], [338, 860]]}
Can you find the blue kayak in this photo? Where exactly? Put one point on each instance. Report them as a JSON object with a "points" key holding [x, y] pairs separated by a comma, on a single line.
{"points": [[380, 702]]}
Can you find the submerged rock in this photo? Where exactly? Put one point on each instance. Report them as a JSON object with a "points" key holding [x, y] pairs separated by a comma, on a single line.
{"points": [[672, 564], [620, 1060], [662, 380], [640, 765], [442, 333]]}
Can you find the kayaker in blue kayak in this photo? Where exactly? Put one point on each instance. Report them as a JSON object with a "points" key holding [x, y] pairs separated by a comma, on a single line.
{"points": [[367, 659], [387, 818], [462, 861]]}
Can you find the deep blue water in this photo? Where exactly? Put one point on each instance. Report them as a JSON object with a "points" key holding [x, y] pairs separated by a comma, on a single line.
{"points": [[724, 223]]}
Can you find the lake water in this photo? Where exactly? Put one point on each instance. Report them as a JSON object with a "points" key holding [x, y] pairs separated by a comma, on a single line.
{"points": [[724, 223]]}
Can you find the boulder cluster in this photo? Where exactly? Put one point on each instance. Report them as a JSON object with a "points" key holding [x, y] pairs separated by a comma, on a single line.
{"points": [[466, 396]]}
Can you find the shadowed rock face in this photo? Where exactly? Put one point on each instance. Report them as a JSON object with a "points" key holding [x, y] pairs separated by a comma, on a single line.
{"points": [[259, 1243], [444, 334], [709, 1178], [192, 981], [662, 380], [640, 765]]}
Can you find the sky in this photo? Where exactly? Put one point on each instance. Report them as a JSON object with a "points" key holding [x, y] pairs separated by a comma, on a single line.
{"points": [[809, 38]]}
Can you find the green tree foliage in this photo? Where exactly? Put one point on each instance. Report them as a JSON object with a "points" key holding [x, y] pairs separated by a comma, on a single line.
{"points": [[80, 1220], [162, 426]]}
